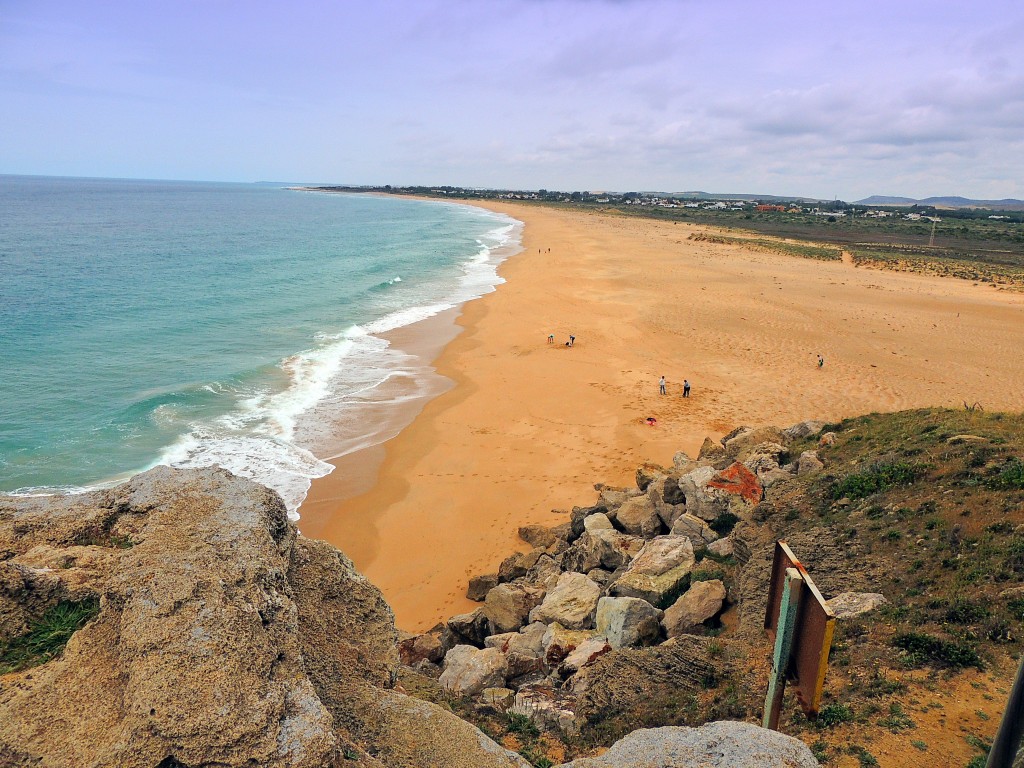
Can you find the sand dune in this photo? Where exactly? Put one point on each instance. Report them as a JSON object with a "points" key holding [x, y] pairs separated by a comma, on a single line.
{"points": [[530, 426]]}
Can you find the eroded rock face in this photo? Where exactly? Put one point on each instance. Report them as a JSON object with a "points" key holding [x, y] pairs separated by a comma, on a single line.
{"points": [[723, 744], [222, 638]]}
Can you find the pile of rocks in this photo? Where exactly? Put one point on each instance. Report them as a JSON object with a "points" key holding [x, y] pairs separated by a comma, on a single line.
{"points": [[616, 576]]}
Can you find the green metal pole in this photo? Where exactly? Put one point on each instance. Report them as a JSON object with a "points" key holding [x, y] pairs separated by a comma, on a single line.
{"points": [[788, 610], [1008, 737]]}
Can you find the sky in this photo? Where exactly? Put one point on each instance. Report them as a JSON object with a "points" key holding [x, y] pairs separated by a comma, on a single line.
{"points": [[816, 99]]}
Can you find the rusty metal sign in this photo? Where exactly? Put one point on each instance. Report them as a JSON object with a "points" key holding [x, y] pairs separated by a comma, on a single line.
{"points": [[815, 625]]}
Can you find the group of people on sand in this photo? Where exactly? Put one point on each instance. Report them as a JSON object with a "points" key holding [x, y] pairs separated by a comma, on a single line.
{"points": [[662, 387], [569, 343]]}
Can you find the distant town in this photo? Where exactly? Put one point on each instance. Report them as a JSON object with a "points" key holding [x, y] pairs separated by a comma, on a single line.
{"points": [[831, 210]]}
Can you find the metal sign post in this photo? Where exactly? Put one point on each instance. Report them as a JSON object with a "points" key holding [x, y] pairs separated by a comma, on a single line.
{"points": [[803, 657], [788, 610]]}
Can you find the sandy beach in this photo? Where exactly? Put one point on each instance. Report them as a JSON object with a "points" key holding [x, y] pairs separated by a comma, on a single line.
{"points": [[530, 426]]}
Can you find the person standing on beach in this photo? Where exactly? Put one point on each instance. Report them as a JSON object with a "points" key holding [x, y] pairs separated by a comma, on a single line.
{"points": [[661, 385], [821, 361], [686, 387], [572, 340]]}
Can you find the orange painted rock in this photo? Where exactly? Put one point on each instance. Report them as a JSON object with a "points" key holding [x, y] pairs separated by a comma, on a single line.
{"points": [[737, 479]]}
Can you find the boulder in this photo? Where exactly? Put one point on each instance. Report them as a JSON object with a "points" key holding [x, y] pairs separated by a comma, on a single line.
{"points": [[600, 577], [770, 477], [598, 521], [808, 462], [695, 529], [524, 650], [479, 586], [710, 450], [416, 648], [468, 670], [545, 572], [627, 621], [746, 441], [722, 547], [578, 515], [470, 628], [518, 564], [763, 457], [803, 429], [736, 479], [571, 603], [508, 605], [538, 536], [849, 604], [725, 744], [659, 572], [499, 699], [698, 604], [559, 642], [681, 460], [701, 502], [646, 473], [585, 653], [601, 548], [828, 438], [412, 732], [638, 516]]}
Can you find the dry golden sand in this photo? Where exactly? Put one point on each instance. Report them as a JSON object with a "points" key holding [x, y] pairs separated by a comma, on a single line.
{"points": [[530, 426]]}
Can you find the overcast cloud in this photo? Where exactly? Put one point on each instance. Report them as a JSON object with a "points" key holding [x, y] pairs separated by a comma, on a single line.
{"points": [[794, 98]]}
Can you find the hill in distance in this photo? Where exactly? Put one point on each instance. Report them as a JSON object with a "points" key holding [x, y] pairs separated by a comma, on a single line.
{"points": [[1006, 204]]}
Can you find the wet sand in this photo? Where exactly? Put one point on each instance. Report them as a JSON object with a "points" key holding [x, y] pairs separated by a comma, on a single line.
{"points": [[528, 427]]}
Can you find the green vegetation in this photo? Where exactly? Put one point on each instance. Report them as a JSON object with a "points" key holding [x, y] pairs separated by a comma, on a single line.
{"points": [[921, 649], [522, 725], [1010, 477], [834, 714], [724, 523], [47, 637], [880, 477]]}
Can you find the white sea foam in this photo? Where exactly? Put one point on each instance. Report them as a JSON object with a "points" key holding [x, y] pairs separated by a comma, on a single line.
{"points": [[338, 394]]}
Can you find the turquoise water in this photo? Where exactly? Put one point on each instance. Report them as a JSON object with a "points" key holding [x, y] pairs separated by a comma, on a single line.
{"points": [[198, 324]]}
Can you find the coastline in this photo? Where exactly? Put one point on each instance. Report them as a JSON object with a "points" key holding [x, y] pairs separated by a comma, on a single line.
{"points": [[529, 426]]}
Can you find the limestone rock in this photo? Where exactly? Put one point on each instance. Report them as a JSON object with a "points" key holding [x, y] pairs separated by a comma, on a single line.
{"points": [[695, 529], [808, 462], [524, 650], [710, 450], [803, 429], [738, 480], [545, 572], [638, 517], [579, 514], [627, 621], [559, 642], [508, 605], [542, 710], [698, 604], [537, 536], [646, 473], [598, 521], [722, 547], [470, 628], [425, 647], [828, 438], [518, 564], [725, 744], [659, 572], [479, 586], [849, 604], [680, 460], [585, 653], [417, 733], [571, 603], [749, 438], [601, 548], [498, 698], [468, 670]]}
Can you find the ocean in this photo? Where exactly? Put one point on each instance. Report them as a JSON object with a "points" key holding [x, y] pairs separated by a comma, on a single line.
{"points": [[200, 324]]}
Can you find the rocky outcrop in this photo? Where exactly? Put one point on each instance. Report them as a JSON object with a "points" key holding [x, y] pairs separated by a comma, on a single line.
{"points": [[222, 637], [715, 745]]}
